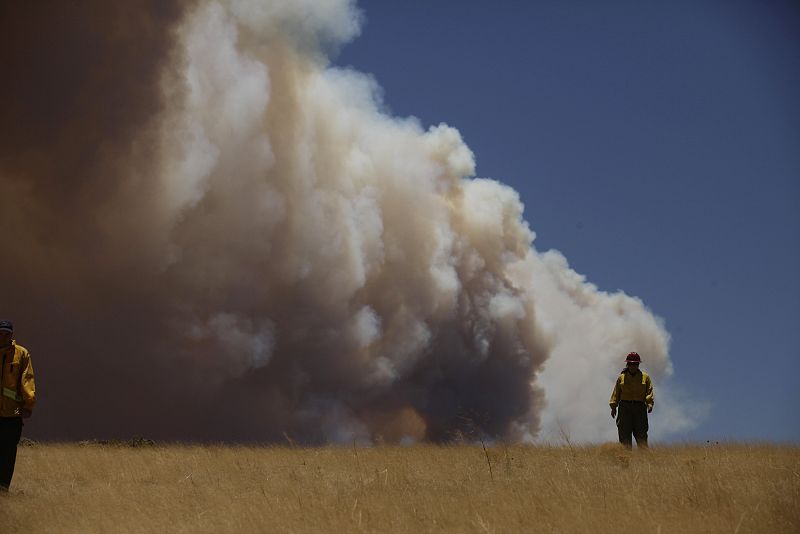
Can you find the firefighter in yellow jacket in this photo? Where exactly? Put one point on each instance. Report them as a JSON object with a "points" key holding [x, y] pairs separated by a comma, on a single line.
{"points": [[633, 396], [17, 398]]}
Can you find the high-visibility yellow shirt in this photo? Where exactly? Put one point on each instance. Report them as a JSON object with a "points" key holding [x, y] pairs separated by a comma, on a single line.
{"points": [[17, 389], [632, 387]]}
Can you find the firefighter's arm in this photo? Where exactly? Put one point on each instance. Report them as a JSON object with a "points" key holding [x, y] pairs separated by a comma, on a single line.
{"points": [[649, 397], [27, 386], [615, 394]]}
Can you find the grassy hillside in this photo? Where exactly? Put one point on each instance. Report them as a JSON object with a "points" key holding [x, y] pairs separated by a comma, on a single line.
{"points": [[96, 488]]}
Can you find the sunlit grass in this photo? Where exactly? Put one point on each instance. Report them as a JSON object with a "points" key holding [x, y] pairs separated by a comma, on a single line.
{"points": [[94, 488]]}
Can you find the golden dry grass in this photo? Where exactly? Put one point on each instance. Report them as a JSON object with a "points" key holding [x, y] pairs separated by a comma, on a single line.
{"points": [[726, 488]]}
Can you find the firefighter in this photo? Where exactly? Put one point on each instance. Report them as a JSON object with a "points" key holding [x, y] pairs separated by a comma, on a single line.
{"points": [[633, 397], [17, 398]]}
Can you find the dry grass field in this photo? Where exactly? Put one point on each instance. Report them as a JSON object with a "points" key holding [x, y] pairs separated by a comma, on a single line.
{"points": [[94, 488]]}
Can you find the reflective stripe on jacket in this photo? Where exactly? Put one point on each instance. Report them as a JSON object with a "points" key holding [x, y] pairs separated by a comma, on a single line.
{"points": [[17, 389], [637, 387]]}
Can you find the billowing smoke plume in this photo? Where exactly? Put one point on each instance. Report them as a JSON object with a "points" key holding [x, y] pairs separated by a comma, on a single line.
{"points": [[212, 234]]}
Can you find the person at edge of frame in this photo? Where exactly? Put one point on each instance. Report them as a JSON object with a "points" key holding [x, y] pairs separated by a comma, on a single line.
{"points": [[17, 399], [633, 395]]}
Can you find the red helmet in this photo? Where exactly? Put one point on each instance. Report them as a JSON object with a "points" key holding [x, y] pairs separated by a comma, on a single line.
{"points": [[633, 357]]}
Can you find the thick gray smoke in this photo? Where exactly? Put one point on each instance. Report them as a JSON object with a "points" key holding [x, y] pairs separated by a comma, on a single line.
{"points": [[216, 235]]}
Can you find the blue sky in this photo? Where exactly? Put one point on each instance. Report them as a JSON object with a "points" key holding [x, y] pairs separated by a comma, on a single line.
{"points": [[657, 145]]}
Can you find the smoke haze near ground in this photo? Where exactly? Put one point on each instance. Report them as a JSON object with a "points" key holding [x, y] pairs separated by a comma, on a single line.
{"points": [[215, 235]]}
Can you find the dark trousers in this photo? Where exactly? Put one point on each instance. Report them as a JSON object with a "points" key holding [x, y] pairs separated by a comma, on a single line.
{"points": [[632, 419], [10, 432]]}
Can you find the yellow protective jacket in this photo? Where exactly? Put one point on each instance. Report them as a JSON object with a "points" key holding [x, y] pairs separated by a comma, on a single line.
{"points": [[16, 380], [636, 387]]}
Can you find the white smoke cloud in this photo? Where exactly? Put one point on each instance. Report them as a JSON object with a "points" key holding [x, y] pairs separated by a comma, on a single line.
{"points": [[303, 22], [367, 240]]}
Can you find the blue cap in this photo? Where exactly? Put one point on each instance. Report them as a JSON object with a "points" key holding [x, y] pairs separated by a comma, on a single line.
{"points": [[7, 326]]}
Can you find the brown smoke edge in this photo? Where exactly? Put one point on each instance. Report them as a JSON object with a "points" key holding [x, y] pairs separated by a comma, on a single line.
{"points": [[81, 102]]}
